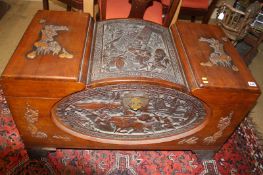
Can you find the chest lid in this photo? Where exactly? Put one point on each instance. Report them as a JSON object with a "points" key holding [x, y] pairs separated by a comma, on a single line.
{"points": [[134, 49], [52, 48], [211, 58]]}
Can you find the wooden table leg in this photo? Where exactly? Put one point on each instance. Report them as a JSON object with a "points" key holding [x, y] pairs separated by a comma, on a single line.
{"points": [[45, 5], [38, 153], [204, 154]]}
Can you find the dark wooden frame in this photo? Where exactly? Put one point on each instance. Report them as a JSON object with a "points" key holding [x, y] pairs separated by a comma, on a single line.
{"points": [[70, 4], [193, 12], [45, 4], [138, 8]]}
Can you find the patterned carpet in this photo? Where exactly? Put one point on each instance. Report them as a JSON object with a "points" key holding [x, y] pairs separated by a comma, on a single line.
{"points": [[240, 155]]}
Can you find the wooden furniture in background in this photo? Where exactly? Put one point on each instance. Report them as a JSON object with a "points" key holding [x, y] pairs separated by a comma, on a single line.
{"points": [[4, 7], [194, 8], [45, 4], [164, 12], [78, 4], [129, 84], [254, 38], [243, 4], [150, 10], [239, 27], [233, 22], [248, 47]]}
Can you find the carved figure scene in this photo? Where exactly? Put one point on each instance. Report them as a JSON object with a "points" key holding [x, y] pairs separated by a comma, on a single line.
{"points": [[135, 48], [47, 43], [218, 56], [138, 49], [103, 113]]}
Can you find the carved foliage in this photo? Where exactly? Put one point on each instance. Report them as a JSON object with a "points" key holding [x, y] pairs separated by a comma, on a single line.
{"points": [[190, 141], [100, 112], [47, 43], [31, 116], [59, 137], [218, 57], [134, 48], [223, 123]]}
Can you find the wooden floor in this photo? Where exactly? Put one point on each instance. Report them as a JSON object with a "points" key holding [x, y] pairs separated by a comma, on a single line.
{"points": [[3, 8], [16, 20]]}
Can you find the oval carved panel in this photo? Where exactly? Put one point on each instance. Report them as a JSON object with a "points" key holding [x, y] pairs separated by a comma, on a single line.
{"points": [[128, 113]]}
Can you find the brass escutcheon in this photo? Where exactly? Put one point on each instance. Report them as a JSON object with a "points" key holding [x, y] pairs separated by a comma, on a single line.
{"points": [[135, 101], [135, 104]]}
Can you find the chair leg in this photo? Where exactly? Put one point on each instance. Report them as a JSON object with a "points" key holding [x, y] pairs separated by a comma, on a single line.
{"points": [[45, 5], [211, 9], [69, 5], [207, 16], [192, 18]]}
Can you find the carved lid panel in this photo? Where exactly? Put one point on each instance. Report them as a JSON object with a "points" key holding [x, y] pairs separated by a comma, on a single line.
{"points": [[212, 58], [134, 48], [53, 47], [129, 113]]}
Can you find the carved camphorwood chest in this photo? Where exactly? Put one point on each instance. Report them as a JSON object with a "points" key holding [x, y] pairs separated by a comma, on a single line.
{"points": [[125, 84]]}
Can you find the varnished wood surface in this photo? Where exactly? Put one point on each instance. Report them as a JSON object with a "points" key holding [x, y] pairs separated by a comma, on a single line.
{"points": [[45, 124], [143, 80], [197, 52], [33, 88], [50, 66], [172, 15]]}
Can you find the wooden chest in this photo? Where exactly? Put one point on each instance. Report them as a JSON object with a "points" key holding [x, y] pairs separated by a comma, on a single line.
{"points": [[126, 84]]}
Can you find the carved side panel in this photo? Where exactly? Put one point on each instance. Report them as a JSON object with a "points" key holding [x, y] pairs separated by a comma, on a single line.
{"points": [[223, 123], [155, 112], [32, 115], [134, 48]]}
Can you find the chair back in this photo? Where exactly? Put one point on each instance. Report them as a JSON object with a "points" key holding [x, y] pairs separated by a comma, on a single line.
{"points": [[154, 9], [233, 22]]}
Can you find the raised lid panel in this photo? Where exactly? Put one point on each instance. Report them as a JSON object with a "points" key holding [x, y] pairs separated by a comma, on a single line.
{"points": [[213, 59], [135, 49], [51, 48]]}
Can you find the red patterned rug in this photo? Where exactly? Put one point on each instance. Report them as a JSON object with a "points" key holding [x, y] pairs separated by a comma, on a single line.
{"points": [[241, 154]]}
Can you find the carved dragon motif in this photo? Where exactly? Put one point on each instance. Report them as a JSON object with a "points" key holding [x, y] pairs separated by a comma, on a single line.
{"points": [[218, 56]]}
